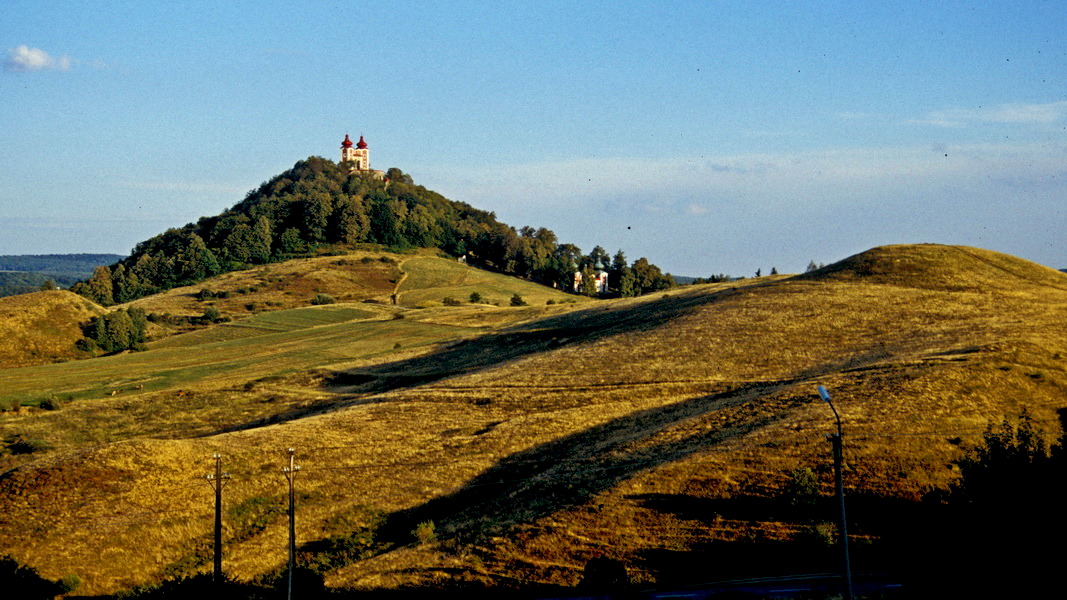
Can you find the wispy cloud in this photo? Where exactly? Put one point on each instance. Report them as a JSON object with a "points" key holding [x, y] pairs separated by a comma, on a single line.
{"points": [[23, 58], [687, 186], [1038, 114]]}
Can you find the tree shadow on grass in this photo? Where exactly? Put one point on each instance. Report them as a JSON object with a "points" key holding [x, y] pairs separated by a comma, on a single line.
{"points": [[875, 524], [462, 357], [567, 472]]}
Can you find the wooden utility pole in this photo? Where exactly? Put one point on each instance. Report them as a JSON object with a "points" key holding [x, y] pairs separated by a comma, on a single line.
{"points": [[218, 481], [290, 475]]}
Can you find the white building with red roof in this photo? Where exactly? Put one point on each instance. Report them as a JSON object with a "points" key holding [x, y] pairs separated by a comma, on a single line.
{"points": [[358, 156]]}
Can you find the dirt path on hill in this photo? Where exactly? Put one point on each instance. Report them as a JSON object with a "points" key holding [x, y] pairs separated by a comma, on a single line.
{"points": [[400, 282]]}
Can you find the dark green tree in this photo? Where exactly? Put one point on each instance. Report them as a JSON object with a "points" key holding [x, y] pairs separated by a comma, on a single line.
{"points": [[395, 175], [628, 286], [351, 221], [120, 284], [1011, 457], [127, 284], [598, 259], [118, 330], [566, 258], [261, 240], [25, 583], [996, 528], [98, 287], [318, 206], [237, 248], [588, 287], [649, 278], [291, 242], [195, 262], [387, 221]]}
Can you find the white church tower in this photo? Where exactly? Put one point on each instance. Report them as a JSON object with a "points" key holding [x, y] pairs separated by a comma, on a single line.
{"points": [[359, 156]]}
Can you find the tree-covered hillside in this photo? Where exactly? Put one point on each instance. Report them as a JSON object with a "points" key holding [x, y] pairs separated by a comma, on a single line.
{"points": [[319, 203]]}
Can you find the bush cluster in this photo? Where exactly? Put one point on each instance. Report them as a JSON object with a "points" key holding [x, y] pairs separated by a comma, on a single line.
{"points": [[123, 329]]}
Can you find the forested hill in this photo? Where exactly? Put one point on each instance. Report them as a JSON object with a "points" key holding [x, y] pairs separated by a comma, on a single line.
{"points": [[318, 204]]}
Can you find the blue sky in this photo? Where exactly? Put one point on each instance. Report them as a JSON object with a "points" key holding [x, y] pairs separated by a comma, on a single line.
{"points": [[711, 137]]}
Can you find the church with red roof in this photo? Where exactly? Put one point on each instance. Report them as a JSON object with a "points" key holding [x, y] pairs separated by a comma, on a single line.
{"points": [[358, 157]]}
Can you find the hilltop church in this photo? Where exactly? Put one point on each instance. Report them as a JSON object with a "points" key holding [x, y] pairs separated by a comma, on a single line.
{"points": [[358, 157]]}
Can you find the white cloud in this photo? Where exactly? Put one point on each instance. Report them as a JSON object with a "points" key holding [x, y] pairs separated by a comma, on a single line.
{"points": [[24, 58], [1039, 114]]}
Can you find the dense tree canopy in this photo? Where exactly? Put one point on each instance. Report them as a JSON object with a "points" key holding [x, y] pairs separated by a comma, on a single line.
{"points": [[318, 203]]}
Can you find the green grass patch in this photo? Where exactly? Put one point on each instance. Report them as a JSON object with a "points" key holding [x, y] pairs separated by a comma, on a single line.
{"points": [[229, 362], [265, 323]]}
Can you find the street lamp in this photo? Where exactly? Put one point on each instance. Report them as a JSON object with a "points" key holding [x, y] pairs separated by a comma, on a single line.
{"points": [[836, 439]]}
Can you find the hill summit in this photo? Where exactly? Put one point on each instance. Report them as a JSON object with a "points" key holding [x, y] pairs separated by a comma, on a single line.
{"points": [[937, 266]]}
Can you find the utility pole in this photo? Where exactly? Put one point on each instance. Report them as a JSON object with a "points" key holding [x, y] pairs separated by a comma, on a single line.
{"points": [[218, 481], [290, 474], [839, 457]]}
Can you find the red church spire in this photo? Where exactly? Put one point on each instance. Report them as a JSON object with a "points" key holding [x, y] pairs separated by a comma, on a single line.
{"points": [[361, 145], [348, 143]]}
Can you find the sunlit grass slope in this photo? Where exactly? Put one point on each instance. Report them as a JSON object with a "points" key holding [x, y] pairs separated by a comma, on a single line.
{"points": [[42, 327], [534, 438], [431, 280], [352, 277]]}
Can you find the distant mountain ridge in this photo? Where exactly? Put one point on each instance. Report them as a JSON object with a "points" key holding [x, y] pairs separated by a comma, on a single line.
{"points": [[24, 273], [63, 263]]}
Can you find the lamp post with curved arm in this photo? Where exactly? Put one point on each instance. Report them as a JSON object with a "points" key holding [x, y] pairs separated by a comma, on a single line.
{"points": [[836, 439]]}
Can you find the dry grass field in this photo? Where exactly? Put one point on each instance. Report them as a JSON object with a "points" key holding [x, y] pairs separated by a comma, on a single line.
{"points": [[41, 327], [508, 446]]}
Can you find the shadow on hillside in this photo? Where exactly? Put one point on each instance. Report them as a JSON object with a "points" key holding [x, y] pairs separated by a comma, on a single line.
{"points": [[567, 472], [883, 527], [492, 349], [358, 386]]}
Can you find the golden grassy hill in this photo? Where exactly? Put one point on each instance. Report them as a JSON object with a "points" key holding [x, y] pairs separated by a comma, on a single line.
{"points": [[421, 279], [42, 327], [534, 438], [353, 277]]}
